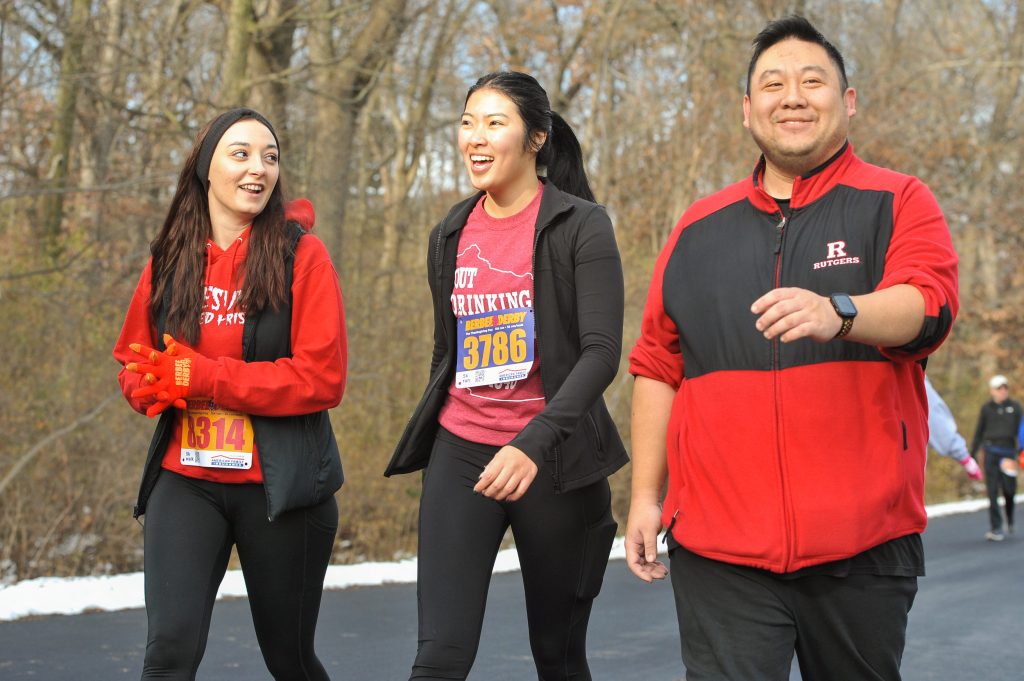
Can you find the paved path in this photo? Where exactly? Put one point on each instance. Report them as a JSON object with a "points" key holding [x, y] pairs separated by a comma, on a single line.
{"points": [[967, 624]]}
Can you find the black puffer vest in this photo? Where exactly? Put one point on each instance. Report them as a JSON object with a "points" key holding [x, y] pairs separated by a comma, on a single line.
{"points": [[298, 454]]}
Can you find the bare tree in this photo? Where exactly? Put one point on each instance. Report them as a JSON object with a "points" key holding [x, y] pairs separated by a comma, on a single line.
{"points": [[61, 139], [343, 76], [101, 99], [409, 113], [241, 24], [270, 62]]}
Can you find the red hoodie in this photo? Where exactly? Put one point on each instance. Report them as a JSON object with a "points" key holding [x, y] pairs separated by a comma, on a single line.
{"points": [[312, 379]]}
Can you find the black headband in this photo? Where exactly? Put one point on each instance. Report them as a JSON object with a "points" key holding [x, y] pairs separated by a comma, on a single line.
{"points": [[220, 126]]}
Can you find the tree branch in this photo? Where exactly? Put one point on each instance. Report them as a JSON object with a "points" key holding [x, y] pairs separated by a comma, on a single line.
{"points": [[52, 437]]}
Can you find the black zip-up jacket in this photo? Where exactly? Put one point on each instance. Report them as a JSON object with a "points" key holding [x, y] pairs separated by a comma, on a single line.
{"points": [[578, 302], [298, 454], [998, 424]]}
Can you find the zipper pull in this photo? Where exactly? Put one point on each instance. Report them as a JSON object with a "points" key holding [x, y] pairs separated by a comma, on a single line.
{"points": [[778, 234], [671, 524]]}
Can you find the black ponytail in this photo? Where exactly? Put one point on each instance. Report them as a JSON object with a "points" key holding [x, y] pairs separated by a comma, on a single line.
{"points": [[560, 155], [562, 158]]}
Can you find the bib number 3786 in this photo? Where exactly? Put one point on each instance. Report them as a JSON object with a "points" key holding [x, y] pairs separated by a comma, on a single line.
{"points": [[494, 347], [500, 347]]}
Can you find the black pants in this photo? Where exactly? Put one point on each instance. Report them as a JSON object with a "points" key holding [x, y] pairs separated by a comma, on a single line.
{"points": [[563, 542], [190, 528], [996, 481], [743, 624]]}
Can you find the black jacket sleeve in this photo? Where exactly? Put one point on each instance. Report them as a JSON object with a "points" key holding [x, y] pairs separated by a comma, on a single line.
{"points": [[599, 312], [979, 430]]}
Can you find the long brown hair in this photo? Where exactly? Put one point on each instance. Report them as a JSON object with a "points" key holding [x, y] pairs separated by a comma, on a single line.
{"points": [[179, 252]]}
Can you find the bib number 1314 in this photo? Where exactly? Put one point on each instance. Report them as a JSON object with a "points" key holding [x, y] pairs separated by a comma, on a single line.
{"points": [[202, 432], [215, 438]]}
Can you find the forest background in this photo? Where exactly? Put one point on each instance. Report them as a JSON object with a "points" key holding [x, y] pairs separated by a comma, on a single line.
{"points": [[101, 99]]}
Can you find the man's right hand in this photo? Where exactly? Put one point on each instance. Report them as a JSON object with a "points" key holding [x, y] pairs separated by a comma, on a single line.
{"points": [[642, 529]]}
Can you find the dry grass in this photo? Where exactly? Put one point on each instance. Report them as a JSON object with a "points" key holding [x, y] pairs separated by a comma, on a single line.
{"points": [[68, 511]]}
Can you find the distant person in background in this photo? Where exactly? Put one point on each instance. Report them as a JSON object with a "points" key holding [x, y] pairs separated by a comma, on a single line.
{"points": [[235, 337], [527, 290], [997, 433], [943, 435]]}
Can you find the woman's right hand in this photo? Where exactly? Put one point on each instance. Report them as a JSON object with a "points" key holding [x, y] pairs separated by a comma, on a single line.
{"points": [[507, 476]]}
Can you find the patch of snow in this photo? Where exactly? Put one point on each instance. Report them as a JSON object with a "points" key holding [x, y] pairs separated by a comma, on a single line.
{"points": [[73, 595]]}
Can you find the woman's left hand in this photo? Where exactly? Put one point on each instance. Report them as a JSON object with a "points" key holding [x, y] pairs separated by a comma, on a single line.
{"points": [[507, 476]]}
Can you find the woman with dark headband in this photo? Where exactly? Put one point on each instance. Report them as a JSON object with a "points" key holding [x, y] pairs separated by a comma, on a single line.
{"points": [[235, 337], [527, 289]]}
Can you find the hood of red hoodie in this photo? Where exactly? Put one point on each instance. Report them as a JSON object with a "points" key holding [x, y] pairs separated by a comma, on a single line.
{"points": [[300, 211]]}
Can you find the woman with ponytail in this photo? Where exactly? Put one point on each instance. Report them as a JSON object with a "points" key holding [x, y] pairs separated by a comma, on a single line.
{"points": [[235, 338], [512, 430]]}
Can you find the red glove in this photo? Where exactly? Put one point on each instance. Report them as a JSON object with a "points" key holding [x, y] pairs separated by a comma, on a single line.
{"points": [[971, 468], [168, 373]]}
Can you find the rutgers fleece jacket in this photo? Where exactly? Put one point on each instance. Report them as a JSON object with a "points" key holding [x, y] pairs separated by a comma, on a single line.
{"points": [[782, 456]]}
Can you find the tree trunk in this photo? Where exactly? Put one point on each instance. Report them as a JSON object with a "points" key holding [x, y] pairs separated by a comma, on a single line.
{"points": [[343, 89], [410, 135], [234, 75], [107, 114], [270, 56], [62, 138]]}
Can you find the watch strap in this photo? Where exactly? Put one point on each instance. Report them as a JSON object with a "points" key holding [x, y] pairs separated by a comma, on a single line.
{"points": [[845, 328]]}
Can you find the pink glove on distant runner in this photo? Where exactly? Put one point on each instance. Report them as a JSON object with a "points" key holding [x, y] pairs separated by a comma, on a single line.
{"points": [[971, 468]]}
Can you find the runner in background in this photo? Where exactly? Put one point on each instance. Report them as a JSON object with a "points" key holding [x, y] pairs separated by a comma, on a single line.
{"points": [[235, 337], [527, 290], [999, 424]]}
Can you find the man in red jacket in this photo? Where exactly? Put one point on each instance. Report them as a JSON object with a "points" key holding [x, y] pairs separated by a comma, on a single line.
{"points": [[780, 389]]}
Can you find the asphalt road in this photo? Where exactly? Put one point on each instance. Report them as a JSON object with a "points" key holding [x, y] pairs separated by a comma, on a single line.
{"points": [[967, 623]]}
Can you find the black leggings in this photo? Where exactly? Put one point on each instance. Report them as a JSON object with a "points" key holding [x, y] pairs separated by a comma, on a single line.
{"points": [[997, 481], [190, 528], [563, 542]]}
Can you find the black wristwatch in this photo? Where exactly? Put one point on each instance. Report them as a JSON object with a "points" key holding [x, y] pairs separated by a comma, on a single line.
{"points": [[847, 311]]}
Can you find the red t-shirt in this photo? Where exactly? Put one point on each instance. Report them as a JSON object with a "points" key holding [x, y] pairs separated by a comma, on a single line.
{"points": [[494, 273], [312, 379]]}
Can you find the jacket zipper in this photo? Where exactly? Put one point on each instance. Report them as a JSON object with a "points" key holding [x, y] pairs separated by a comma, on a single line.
{"points": [[780, 233], [437, 254], [597, 433], [438, 268], [668, 530]]}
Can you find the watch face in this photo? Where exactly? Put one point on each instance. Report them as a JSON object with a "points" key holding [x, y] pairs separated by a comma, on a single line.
{"points": [[844, 306]]}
